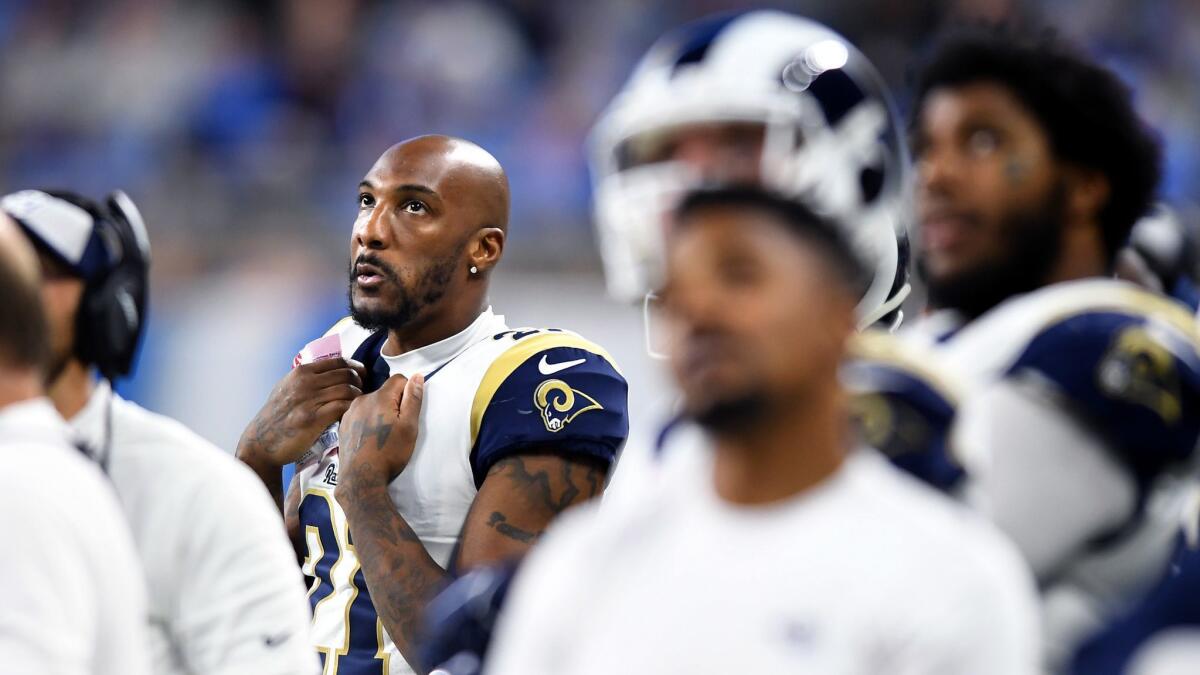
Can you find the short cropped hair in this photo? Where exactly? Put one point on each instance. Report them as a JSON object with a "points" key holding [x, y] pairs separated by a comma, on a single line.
{"points": [[24, 337], [1085, 110], [814, 229]]}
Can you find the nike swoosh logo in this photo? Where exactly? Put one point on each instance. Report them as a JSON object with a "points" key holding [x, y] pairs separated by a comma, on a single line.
{"points": [[547, 368], [276, 640]]}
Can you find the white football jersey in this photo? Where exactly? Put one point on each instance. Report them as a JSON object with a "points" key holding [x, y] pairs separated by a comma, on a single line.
{"points": [[74, 594], [490, 392], [1080, 407], [224, 594], [868, 572]]}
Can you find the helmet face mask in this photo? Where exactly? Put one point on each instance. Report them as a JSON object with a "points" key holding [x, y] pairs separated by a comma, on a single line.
{"points": [[734, 141], [634, 208], [829, 136]]}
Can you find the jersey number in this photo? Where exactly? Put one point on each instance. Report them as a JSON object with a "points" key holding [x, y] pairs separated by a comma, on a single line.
{"points": [[356, 647]]}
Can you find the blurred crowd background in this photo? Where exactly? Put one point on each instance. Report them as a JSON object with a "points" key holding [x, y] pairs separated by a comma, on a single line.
{"points": [[242, 128]]}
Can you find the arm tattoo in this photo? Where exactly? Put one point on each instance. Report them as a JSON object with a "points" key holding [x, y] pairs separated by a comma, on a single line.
{"points": [[548, 493], [401, 575], [497, 522], [519, 498], [270, 428]]}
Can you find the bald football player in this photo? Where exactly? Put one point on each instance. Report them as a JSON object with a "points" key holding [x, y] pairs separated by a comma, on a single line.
{"points": [[432, 437]]}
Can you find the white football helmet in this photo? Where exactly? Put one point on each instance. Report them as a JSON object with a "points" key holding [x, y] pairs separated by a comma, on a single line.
{"points": [[831, 137]]}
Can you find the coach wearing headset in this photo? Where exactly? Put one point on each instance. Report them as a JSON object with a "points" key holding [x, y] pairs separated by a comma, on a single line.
{"points": [[225, 595]]}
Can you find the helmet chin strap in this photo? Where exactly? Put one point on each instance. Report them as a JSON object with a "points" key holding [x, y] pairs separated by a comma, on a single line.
{"points": [[886, 308], [647, 328]]}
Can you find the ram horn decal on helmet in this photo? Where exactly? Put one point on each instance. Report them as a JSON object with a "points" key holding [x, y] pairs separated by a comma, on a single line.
{"points": [[831, 137]]}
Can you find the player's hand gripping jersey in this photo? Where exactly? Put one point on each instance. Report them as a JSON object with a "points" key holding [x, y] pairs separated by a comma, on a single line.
{"points": [[490, 393], [1081, 400]]}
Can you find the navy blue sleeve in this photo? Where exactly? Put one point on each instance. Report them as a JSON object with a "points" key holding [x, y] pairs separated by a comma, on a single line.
{"points": [[1174, 602], [906, 417], [1133, 378], [557, 394]]}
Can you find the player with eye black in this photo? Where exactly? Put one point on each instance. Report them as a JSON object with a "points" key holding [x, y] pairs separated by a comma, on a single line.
{"points": [[1081, 406]]}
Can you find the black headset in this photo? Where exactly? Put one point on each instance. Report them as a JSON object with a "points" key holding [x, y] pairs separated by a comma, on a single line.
{"points": [[112, 312]]}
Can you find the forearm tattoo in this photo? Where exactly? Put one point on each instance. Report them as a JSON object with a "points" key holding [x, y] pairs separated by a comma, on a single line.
{"points": [[401, 575], [543, 486]]}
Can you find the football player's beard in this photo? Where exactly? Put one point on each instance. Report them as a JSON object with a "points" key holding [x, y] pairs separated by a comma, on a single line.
{"points": [[1034, 238], [732, 416], [410, 303]]}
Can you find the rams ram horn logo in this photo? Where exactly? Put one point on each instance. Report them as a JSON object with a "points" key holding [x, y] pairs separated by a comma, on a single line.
{"points": [[1139, 369], [560, 404]]}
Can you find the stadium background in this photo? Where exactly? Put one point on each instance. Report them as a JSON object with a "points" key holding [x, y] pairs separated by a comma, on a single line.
{"points": [[241, 130]]}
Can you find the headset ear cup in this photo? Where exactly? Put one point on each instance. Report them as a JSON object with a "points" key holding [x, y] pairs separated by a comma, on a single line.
{"points": [[109, 324], [89, 345], [112, 311], [122, 321]]}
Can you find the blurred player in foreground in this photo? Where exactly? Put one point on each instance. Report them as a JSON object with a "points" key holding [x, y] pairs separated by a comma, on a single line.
{"points": [[224, 596], [1083, 398], [459, 438], [775, 99], [785, 550], [74, 600]]}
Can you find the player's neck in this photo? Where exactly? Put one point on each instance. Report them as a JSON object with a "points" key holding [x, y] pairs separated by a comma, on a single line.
{"points": [[18, 384], [1082, 255], [445, 322], [72, 389], [793, 450]]}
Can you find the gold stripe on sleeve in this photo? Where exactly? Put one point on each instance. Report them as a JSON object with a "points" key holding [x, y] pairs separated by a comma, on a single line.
{"points": [[513, 357]]}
